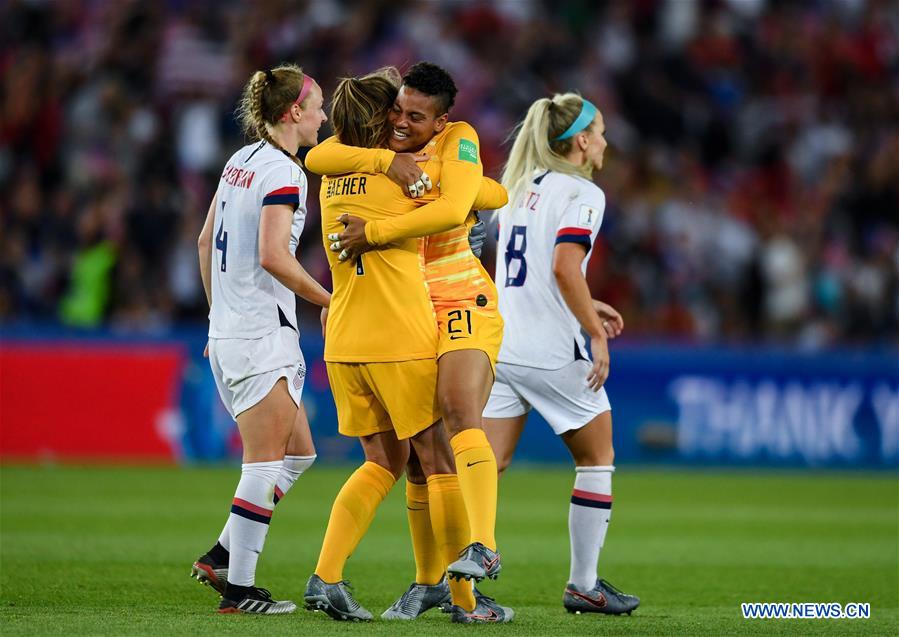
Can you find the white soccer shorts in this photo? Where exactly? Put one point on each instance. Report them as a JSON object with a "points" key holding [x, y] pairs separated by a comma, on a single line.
{"points": [[246, 369], [561, 396]]}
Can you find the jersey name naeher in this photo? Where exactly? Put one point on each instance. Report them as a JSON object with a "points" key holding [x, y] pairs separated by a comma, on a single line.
{"points": [[247, 301], [541, 330]]}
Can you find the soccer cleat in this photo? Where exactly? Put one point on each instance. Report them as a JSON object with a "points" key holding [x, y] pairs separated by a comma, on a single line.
{"points": [[475, 562], [603, 598], [257, 601], [209, 573], [335, 600], [486, 611], [419, 599]]}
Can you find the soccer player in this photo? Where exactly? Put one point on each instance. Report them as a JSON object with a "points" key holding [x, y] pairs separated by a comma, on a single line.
{"points": [[251, 276], [545, 239], [464, 297], [381, 348]]}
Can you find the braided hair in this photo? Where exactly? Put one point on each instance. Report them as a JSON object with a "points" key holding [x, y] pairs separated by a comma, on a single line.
{"points": [[266, 97]]}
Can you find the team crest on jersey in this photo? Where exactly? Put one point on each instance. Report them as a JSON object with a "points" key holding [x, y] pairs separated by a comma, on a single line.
{"points": [[468, 151], [587, 216], [298, 377]]}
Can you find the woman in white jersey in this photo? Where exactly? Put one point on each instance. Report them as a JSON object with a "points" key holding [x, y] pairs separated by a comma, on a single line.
{"points": [[251, 276], [546, 234]]}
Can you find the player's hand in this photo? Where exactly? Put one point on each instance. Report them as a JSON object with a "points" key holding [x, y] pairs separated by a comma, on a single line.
{"points": [[324, 320], [406, 173], [351, 242], [206, 350], [612, 322], [600, 372], [477, 236]]}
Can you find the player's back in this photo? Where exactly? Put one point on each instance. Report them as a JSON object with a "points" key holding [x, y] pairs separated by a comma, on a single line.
{"points": [[247, 301], [380, 308], [541, 331]]}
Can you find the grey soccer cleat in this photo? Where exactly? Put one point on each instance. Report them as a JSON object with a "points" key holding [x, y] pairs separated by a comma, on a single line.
{"points": [[475, 562], [209, 573], [486, 611], [602, 598], [419, 599], [335, 600], [257, 601]]}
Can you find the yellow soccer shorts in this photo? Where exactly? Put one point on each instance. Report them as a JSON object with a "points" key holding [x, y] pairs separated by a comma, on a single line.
{"points": [[377, 397], [469, 328]]}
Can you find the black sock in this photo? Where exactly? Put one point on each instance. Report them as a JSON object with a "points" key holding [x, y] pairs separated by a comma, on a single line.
{"points": [[219, 554], [236, 593]]}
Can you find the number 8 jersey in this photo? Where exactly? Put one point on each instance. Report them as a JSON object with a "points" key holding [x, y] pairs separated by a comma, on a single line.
{"points": [[555, 208], [247, 301]]}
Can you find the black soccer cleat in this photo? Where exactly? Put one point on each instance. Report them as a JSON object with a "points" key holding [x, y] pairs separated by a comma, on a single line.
{"points": [[250, 599], [211, 569]]}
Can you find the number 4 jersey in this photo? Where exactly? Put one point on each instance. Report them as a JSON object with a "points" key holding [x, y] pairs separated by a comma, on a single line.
{"points": [[555, 208], [247, 301]]}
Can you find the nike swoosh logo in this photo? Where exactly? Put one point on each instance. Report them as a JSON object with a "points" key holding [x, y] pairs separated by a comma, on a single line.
{"points": [[411, 509], [599, 602], [491, 617], [471, 464], [453, 338]]}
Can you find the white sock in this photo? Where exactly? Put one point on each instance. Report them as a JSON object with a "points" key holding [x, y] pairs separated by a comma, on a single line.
{"points": [[248, 523], [588, 521], [293, 468]]}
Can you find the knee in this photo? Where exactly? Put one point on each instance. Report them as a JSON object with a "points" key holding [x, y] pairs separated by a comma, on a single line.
{"points": [[503, 460], [458, 415], [395, 463], [596, 458]]}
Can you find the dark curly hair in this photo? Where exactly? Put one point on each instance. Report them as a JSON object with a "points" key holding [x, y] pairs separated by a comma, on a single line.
{"points": [[432, 80]]}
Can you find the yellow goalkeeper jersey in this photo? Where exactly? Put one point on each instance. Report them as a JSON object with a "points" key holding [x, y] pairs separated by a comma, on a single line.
{"points": [[454, 275]]}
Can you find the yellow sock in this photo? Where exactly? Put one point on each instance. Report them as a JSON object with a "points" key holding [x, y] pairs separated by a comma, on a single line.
{"points": [[476, 468], [352, 512], [450, 523], [429, 565]]}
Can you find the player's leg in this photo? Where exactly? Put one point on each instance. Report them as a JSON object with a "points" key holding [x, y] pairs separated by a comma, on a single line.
{"points": [[588, 519], [463, 385], [212, 568], [503, 435], [264, 430], [504, 416], [351, 514]]}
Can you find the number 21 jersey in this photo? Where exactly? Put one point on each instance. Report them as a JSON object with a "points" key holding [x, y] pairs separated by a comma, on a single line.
{"points": [[555, 208]]}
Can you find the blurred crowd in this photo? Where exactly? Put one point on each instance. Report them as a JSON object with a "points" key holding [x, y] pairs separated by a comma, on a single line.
{"points": [[752, 176]]}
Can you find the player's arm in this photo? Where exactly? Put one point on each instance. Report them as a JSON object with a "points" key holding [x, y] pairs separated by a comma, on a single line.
{"points": [[275, 257], [333, 158], [204, 247], [491, 196], [460, 181], [567, 259]]}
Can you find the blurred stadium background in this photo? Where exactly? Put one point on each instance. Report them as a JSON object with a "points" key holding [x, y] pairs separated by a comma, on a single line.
{"points": [[751, 238]]}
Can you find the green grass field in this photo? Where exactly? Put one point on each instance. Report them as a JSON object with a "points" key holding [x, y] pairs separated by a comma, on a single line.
{"points": [[106, 551]]}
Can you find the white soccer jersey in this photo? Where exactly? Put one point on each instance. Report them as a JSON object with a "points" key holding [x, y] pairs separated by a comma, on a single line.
{"points": [[247, 301], [540, 329]]}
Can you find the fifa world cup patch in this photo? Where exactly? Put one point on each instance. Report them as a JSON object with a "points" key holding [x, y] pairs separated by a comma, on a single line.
{"points": [[468, 151], [587, 216]]}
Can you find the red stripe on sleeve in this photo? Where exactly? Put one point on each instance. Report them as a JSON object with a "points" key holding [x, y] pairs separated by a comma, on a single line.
{"points": [[286, 190], [249, 506], [584, 232], [596, 497]]}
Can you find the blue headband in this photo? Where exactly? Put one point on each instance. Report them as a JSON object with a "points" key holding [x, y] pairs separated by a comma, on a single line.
{"points": [[588, 112]]}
